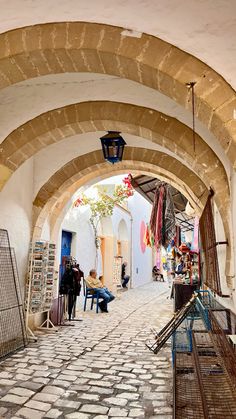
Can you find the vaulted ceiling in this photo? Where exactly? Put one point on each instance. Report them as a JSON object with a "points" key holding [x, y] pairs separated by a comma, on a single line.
{"points": [[69, 70]]}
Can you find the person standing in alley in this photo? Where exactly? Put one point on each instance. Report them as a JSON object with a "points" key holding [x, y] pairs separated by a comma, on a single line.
{"points": [[124, 278]]}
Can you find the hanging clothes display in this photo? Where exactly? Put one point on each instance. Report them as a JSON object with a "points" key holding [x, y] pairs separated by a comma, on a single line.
{"points": [[71, 285], [153, 218], [177, 240], [169, 221], [194, 246], [160, 214], [162, 221]]}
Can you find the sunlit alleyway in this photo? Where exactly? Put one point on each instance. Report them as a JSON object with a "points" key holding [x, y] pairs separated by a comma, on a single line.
{"points": [[100, 368]]}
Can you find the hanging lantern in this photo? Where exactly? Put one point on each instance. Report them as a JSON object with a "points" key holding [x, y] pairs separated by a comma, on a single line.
{"points": [[113, 146]]}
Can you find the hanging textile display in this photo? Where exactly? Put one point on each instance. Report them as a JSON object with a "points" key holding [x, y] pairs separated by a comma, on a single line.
{"points": [[208, 241], [194, 246], [153, 218], [177, 240], [162, 221], [169, 226]]}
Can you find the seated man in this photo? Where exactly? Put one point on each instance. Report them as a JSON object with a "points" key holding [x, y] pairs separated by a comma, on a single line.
{"points": [[124, 278], [103, 292]]}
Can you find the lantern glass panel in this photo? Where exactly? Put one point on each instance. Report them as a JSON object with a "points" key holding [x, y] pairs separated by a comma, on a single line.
{"points": [[113, 146]]}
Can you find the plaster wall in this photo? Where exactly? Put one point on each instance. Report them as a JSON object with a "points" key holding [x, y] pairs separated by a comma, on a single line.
{"points": [[83, 250], [46, 231], [141, 262], [16, 214], [77, 221], [110, 245]]}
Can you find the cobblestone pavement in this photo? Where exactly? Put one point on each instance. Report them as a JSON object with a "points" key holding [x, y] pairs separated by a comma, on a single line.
{"points": [[100, 368]]}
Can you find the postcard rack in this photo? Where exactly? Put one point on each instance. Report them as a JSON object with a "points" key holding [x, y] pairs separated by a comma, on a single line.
{"points": [[40, 281]]}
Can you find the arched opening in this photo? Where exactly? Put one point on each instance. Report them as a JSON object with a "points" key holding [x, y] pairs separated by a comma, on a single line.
{"points": [[79, 46], [67, 74], [92, 51], [63, 185], [122, 230]]}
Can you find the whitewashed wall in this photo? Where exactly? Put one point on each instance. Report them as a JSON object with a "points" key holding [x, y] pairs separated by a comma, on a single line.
{"points": [[16, 214], [141, 262], [83, 249], [221, 251]]}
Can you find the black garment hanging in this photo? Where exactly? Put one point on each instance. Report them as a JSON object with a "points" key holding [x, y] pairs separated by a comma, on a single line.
{"points": [[71, 285]]}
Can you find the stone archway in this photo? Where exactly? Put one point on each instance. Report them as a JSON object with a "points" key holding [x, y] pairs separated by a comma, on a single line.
{"points": [[161, 129], [75, 46], [62, 123], [61, 186], [54, 195], [92, 163]]}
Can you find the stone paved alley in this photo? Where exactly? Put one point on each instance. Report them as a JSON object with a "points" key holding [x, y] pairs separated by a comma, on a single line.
{"points": [[100, 368]]}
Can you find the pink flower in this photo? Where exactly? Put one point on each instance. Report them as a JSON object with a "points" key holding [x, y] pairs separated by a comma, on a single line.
{"points": [[78, 202]]}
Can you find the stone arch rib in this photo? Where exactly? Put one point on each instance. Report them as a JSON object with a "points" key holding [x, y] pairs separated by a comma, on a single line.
{"points": [[88, 47], [167, 165], [161, 129], [74, 174], [61, 123]]}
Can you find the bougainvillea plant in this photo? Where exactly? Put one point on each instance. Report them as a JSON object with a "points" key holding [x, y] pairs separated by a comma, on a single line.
{"points": [[104, 205]]}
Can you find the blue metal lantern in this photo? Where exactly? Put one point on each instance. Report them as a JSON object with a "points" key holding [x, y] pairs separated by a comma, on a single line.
{"points": [[113, 146]]}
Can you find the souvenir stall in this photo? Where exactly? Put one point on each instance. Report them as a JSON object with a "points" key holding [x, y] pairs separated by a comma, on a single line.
{"points": [[187, 275], [162, 226], [204, 359], [41, 282], [180, 260]]}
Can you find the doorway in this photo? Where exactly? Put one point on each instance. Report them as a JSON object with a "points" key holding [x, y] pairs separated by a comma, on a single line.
{"points": [[66, 240]]}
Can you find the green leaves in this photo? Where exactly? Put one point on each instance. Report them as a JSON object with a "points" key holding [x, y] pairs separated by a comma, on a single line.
{"points": [[103, 206]]}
